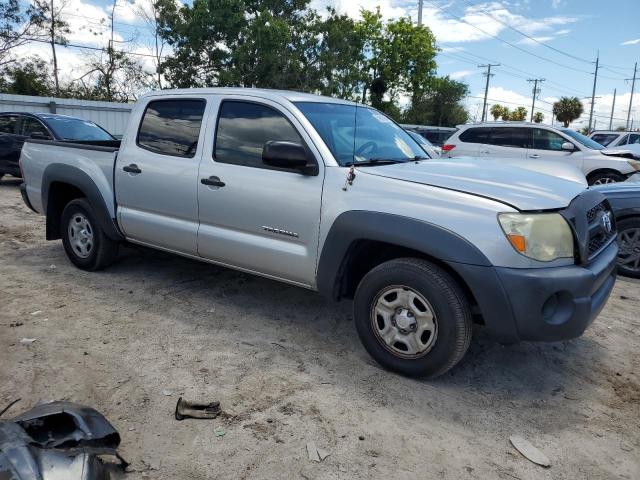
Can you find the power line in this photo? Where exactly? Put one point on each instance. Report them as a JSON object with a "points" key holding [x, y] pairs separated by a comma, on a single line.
{"points": [[504, 41], [87, 47]]}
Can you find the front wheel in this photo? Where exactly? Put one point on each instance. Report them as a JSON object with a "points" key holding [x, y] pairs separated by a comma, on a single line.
{"points": [[83, 239], [629, 242], [603, 178], [413, 317]]}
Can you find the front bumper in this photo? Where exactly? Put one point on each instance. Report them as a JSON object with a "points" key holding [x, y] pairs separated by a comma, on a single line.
{"points": [[547, 304]]}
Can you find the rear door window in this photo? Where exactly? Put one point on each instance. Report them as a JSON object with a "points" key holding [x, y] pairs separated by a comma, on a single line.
{"points": [[510, 137], [172, 127], [8, 123], [624, 140], [634, 139]]}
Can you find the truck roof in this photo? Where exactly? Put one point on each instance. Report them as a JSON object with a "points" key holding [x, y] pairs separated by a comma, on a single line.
{"points": [[267, 93]]}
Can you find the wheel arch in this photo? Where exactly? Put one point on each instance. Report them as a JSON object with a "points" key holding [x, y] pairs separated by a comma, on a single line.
{"points": [[598, 171], [63, 183], [360, 240]]}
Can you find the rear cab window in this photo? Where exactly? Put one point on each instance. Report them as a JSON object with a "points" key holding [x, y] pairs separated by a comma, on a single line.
{"points": [[171, 127], [31, 127]]}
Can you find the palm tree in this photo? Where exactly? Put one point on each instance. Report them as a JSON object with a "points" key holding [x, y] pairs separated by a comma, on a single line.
{"points": [[538, 117], [496, 111], [567, 109], [518, 115]]}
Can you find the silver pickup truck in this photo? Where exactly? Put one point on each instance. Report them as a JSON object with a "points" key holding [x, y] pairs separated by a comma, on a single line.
{"points": [[335, 197]]}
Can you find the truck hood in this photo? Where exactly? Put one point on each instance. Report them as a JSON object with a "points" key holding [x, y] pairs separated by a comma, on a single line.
{"points": [[514, 186]]}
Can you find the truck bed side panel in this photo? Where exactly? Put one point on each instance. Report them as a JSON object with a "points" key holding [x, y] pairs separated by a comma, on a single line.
{"points": [[96, 162]]}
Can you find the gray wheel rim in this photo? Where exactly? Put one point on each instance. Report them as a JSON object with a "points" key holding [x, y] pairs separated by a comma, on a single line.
{"points": [[629, 253], [80, 233], [604, 180], [404, 322]]}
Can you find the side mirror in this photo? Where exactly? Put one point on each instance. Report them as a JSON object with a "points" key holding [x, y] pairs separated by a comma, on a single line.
{"points": [[287, 155], [568, 147]]}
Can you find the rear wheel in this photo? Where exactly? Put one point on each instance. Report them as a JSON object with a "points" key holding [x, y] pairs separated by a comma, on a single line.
{"points": [[83, 239], [602, 178], [412, 317], [629, 241]]}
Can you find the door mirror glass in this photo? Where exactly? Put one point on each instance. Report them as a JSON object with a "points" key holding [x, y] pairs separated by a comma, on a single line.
{"points": [[568, 147], [284, 155]]}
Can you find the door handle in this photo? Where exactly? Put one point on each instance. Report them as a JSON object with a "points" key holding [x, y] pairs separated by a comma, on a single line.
{"points": [[535, 155], [485, 151], [212, 182], [133, 168]]}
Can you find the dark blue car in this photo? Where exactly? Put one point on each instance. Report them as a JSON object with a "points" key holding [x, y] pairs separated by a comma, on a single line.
{"points": [[16, 127], [624, 198]]}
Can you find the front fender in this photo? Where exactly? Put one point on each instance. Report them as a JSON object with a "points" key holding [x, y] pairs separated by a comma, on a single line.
{"points": [[427, 238]]}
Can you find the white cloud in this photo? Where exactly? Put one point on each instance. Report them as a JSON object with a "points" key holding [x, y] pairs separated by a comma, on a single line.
{"points": [[461, 74], [631, 42], [446, 27]]}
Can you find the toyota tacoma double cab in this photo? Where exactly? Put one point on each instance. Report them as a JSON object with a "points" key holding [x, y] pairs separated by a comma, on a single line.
{"points": [[335, 197]]}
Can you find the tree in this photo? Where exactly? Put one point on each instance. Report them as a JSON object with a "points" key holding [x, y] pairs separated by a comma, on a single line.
{"points": [[506, 114], [27, 77], [440, 105], [538, 117], [496, 111], [17, 25], [55, 30], [568, 109], [518, 115], [149, 12]]}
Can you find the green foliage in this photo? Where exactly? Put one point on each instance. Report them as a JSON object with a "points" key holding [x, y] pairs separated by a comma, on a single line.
{"points": [[506, 114], [496, 111], [439, 104], [538, 117], [28, 77], [518, 115], [568, 109]]}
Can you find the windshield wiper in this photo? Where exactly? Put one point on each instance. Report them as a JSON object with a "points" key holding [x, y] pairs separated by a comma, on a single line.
{"points": [[376, 161]]}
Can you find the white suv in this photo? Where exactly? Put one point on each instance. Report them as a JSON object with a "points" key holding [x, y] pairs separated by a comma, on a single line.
{"points": [[532, 142], [611, 139]]}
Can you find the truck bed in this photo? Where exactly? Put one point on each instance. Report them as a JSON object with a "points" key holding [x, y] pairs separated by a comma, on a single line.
{"points": [[41, 156]]}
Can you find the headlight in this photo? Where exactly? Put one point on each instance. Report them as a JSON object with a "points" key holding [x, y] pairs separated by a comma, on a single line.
{"points": [[635, 164], [541, 236]]}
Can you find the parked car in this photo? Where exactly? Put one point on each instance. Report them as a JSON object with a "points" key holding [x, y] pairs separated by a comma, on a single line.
{"points": [[431, 150], [437, 136], [610, 138], [531, 142], [625, 201], [16, 127], [333, 196]]}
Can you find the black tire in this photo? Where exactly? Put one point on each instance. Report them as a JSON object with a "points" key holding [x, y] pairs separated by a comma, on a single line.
{"points": [[605, 177], [629, 242], [446, 300], [102, 252]]}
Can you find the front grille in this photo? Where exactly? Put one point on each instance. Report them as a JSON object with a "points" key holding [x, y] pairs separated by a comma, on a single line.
{"points": [[599, 236]]}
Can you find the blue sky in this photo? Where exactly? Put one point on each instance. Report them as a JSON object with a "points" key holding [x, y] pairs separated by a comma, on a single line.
{"points": [[465, 31]]}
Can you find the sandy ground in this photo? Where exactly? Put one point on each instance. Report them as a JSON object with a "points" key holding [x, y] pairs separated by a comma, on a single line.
{"points": [[288, 368]]}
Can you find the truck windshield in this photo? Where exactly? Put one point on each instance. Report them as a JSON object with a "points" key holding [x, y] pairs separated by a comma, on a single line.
{"points": [[67, 128], [586, 141], [359, 134]]}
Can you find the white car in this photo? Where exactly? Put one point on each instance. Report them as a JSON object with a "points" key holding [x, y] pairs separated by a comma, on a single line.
{"points": [[532, 142], [611, 139]]}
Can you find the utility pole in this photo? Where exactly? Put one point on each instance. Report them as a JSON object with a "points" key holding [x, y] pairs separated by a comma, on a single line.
{"points": [[536, 91], [633, 86], [613, 107], [488, 74], [420, 5], [593, 94]]}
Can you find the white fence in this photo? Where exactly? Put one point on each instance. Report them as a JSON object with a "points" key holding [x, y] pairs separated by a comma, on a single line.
{"points": [[111, 116]]}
